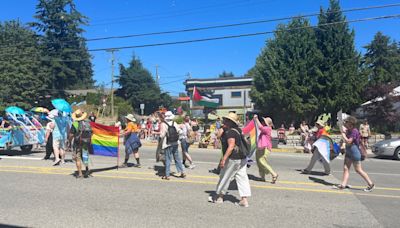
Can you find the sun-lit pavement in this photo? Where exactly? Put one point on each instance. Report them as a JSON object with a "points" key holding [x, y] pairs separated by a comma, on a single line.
{"points": [[36, 194]]}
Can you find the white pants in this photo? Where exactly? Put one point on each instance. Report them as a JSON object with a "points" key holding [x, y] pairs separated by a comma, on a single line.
{"points": [[315, 157], [234, 169]]}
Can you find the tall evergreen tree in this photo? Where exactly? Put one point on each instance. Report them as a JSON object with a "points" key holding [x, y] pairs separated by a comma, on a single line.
{"points": [[21, 75], [382, 60], [139, 87], [286, 74], [382, 65], [342, 80], [64, 48]]}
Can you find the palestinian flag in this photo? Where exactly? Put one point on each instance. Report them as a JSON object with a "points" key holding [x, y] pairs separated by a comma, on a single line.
{"points": [[203, 100]]}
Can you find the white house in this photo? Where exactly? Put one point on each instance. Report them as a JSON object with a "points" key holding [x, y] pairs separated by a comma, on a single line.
{"points": [[232, 92]]}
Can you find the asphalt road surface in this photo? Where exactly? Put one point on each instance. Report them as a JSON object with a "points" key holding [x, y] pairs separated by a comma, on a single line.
{"points": [[36, 194]]}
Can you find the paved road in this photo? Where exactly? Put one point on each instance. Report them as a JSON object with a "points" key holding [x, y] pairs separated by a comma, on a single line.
{"points": [[35, 194]]}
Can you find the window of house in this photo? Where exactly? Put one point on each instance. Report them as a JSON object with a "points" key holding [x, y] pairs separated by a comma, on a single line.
{"points": [[236, 94]]}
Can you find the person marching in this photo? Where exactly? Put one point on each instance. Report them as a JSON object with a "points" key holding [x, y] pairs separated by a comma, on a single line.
{"points": [[132, 141], [81, 134], [169, 136], [264, 148], [233, 163], [185, 143], [316, 154], [352, 138], [49, 138]]}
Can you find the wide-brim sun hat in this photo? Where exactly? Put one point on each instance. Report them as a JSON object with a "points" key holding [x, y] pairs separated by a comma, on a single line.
{"points": [[232, 117], [320, 123], [79, 115], [169, 115], [130, 117], [268, 121]]}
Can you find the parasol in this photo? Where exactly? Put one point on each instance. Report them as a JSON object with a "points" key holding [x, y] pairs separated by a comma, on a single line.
{"points": [[62, 105], [40, 110], [15, 110]]}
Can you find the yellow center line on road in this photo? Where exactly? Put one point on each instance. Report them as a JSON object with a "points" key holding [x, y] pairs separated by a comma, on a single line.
{"points": [[71, 170], [344, 192]]}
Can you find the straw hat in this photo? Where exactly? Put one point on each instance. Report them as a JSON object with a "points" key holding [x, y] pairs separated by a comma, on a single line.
{"points": [[130, 117], [232, 117], [320, 123], [79, 115], [169, 115], [268, 121]]}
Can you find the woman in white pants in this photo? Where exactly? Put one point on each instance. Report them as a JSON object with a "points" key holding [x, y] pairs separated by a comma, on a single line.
{"points": [[233, 163]]}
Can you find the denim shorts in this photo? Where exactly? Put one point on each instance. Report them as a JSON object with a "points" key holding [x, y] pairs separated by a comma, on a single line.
{"points": [[353, 153], [185, 145]]}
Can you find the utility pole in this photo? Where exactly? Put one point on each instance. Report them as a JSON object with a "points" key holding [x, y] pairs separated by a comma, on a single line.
{"points": [[112, 80], [157, 76]]}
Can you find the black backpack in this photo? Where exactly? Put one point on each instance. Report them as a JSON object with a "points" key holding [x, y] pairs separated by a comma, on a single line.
{"points": [[172, 133], [244, 146]]}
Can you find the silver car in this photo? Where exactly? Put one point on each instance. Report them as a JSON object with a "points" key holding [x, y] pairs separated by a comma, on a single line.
{"points": [[390, 147]]}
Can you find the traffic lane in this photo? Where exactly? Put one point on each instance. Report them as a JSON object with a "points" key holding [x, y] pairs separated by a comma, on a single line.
{"points": [[103, 201]]}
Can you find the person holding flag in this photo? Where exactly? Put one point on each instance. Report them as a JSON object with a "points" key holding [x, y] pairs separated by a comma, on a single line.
{"points": [[81, 134], [264, 148], [132, 141]]}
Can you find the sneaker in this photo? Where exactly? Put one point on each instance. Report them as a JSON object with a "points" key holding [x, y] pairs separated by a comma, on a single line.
{"points": [[369, 188], [124, 165], [137, 166], [218, 200], [192, 166], [186, 166]]}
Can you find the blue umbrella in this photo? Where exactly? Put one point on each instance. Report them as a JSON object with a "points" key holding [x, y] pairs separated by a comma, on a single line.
{"points": [[15, 110], [62, 105]]}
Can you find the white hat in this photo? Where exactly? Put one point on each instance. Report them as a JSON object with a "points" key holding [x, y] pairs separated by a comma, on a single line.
{"points": [[169, 115], [53, 113], [130, 117]]}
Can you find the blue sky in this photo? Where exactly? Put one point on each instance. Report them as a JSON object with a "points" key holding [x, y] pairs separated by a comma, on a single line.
{"points": [[205, 59]]}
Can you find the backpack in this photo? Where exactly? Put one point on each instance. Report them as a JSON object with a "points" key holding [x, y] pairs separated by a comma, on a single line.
{"points": [[244, 146], [172, 133], [85, 131]]}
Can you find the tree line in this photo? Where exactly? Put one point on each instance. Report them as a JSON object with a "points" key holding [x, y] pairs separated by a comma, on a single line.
{"points": [[303, 73]]}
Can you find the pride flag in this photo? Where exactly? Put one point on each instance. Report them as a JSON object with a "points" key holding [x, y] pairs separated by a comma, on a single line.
{"points": [[105, 140], [252, 130]]}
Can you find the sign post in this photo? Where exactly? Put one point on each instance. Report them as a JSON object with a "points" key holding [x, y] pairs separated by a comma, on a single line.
{"points": [[142, 109]]}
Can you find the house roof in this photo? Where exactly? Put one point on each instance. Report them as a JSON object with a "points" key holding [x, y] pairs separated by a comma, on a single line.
{"points": [[396, 92], [218, 80]]}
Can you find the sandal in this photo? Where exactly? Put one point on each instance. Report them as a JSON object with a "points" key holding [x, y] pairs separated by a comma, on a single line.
{"points": [[274, 179], [339, 187]]}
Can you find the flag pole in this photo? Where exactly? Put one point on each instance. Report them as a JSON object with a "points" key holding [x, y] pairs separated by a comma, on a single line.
{"points": [[118, 150]]}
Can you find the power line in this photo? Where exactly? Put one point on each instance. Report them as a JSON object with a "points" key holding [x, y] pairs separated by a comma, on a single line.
{"points": [[241, 35], [238, 24], [244, 35], [225, 25], [176, 13]]}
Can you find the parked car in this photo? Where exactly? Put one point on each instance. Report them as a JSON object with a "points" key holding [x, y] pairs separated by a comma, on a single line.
{"points": [[390, 147]]}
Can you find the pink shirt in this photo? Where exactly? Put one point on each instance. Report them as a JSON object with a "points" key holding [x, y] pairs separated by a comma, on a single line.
{"points": [[265, 139]]}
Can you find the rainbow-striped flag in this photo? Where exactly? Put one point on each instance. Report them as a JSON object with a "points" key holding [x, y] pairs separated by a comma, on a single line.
{"points": [[105, 140], [252, 130]]}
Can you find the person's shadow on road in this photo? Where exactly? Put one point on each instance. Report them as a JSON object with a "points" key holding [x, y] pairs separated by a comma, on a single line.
{"points": [[320, 181], [91, 171]]}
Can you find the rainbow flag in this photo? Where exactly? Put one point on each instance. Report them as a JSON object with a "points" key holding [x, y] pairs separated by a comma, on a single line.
{"points": [[252, 130], [105, 140]]}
